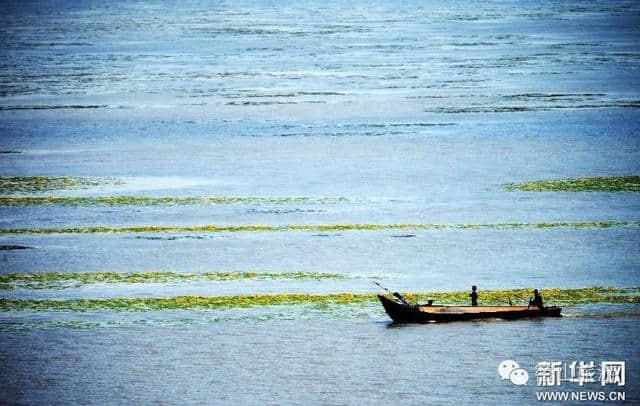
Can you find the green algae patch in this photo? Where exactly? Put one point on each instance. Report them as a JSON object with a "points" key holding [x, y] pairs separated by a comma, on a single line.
{"points": [[576, 296], [61, 280], [597, 184], [39, 184], [310, 227], [72, 324], [162, 201], [559, 296], [181, 302]]}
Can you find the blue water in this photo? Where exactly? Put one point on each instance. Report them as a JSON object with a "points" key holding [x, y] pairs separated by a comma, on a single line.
{"points": [[398, 112]]}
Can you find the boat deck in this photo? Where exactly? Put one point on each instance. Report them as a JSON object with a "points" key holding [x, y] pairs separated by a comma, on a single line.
{"points": [[473, 309]]}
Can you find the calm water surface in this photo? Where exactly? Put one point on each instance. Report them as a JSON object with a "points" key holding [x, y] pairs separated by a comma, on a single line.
{"points": [[382, 113]]}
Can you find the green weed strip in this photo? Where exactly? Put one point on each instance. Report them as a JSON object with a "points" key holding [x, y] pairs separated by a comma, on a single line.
{"points": [[39, 184], [60, 280], [319, 227], [575, 296], [161, 201], [597, 184]]}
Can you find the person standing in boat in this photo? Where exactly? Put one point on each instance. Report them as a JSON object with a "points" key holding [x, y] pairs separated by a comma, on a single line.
{"points": [[537, 300], [474, 295]]}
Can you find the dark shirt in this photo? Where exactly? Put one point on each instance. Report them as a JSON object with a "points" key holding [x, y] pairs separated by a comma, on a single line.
{"points": [[474, 298], [537, 301]]}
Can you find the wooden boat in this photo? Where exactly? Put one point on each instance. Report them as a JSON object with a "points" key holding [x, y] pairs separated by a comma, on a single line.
{"points": [[416, 313]]}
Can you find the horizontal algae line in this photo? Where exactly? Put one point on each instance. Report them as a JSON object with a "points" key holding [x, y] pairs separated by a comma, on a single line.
{"points": [[596, 184], [559, 296], [53, 280], [38, 184], [318, 227], [160, 201]]}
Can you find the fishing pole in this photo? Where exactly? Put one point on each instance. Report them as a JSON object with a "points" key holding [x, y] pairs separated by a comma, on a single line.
{"points": [[382, 287], [394, 294]]}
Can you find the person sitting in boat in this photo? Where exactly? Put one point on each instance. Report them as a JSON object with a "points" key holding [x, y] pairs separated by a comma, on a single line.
{"points": [[474, 295], [537, 300], [401, 298]]}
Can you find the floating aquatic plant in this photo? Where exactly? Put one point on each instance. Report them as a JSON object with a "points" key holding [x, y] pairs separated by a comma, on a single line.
{"points": [[570, 296], [597, 184], [159, 201], [573, 296], [59, 280], [532, 107], [44, 324], [37, 184], [52, 107], [312, 227]]}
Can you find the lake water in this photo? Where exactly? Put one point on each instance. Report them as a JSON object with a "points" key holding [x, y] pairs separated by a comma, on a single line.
{"points": [[373, 113]]}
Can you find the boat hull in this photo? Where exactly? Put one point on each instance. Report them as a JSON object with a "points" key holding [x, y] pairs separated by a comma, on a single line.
{"points": [[402, 313]]}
